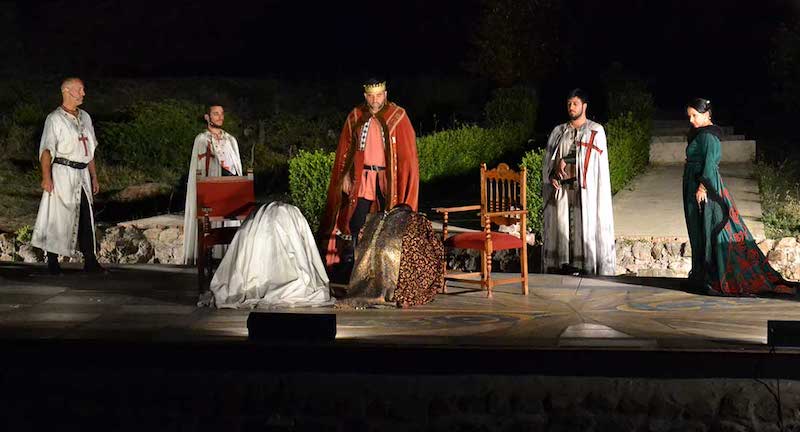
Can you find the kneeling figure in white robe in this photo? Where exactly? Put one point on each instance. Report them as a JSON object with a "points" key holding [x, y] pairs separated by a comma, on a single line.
{"points": [[272, 261]]}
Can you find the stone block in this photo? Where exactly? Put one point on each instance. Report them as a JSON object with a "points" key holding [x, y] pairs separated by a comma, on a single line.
{"points": [[766, 246], [792, 272], [30, 254], [169, 235], [776, 257], [642, 251], [735, 406], [680, 266], [658, 250], [125, 245], [7, 244], [623, 249], [152, 234], [786, 242], [686, 249], [673, 249]]}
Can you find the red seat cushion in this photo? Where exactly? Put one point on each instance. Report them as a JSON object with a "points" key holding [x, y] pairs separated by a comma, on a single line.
{"points": [[476, 240]]}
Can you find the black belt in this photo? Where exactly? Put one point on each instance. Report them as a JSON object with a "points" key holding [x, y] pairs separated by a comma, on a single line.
{"points": [[69, 163], [373, 168]]}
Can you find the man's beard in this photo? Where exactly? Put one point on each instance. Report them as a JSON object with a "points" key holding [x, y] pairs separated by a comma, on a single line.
{"points": [[213, 125], [377, 107], [576, 116]]}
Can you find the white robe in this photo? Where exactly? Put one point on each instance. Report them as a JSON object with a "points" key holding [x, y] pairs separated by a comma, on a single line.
{"points": [[230, 148], [56, 228], [272, 261], [593, 242]]}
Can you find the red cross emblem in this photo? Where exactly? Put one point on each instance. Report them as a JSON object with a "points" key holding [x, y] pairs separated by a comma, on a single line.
{"points": [[83, 138], [589, 147], [207, 155]]}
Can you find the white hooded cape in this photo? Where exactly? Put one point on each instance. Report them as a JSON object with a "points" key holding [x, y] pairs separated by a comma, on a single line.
{"points": [[595, 235], [214, 170]]}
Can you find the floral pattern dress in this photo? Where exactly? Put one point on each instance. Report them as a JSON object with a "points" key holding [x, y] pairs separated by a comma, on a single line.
{"points": [[725, 257]]}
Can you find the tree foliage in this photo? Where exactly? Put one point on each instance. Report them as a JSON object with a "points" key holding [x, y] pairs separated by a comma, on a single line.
{"points": [[516, 40]]}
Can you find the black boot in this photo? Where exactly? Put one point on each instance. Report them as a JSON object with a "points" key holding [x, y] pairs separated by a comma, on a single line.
{"points": [[52, 264], [92, 266]]}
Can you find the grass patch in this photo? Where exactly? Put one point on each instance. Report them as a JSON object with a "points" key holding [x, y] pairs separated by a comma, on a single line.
{"points": [[19, 195], [779, 184]]}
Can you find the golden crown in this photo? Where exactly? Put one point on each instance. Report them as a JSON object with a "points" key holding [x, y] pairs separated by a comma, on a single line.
{"points": [[375, 88]]}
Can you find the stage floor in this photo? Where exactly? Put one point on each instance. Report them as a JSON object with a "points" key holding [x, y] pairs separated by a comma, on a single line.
{"points": [[157, 303]]}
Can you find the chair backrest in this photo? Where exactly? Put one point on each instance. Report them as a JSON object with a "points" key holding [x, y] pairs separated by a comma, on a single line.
{"points": [[225, 197], [503, 189]]}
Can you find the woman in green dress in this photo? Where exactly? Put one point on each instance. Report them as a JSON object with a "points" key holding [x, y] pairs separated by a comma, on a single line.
{"points": [[725, 258]]}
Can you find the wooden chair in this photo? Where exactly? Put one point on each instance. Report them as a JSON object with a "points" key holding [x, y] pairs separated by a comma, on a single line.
{"points": [[502, 203], [219, 199]]}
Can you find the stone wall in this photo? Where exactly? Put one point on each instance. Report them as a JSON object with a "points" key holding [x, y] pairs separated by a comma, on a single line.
{"points": [[231, 400], [654, 257], [117, 244]]}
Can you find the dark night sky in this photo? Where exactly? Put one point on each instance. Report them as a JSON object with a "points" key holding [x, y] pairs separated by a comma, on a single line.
{"points": [[682, 47]]}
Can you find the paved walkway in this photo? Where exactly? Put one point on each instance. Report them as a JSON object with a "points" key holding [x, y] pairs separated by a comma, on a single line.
{"points": [[652, 205]]}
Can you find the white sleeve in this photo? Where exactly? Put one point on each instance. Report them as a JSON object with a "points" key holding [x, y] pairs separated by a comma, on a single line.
{"points": [[49, 137]]}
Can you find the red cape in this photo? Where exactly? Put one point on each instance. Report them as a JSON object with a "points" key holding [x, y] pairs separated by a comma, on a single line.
{"points": [[399, 183]]}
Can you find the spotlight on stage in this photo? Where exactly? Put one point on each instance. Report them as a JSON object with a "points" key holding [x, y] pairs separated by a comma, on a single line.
{"points": [[783, 333], [270, 326]]}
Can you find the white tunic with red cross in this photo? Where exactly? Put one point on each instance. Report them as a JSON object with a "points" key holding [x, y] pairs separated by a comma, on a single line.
{"points": [[590, 248], [209, 156], [70, 137]]}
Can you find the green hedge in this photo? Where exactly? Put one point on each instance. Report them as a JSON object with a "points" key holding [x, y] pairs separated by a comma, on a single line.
{"points": [[461, 151], [512, 106], [628, 149], [309, 175], [629, 129], [532, 162], [156, 137]]}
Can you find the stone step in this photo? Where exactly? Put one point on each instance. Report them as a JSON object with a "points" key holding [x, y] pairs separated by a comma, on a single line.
{"points": [[682, 130], [682, 138], [666, 124], [734, 151]]}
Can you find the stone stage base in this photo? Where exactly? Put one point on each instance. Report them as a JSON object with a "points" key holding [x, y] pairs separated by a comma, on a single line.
{"points": [[130, 351]]}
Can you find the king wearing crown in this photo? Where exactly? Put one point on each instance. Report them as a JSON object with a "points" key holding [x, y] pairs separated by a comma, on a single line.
{"points": [[375, 169]]}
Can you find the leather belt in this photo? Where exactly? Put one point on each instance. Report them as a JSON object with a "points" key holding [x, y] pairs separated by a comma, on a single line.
{"points": [[568, 181], [373, 168], [69, 163]]}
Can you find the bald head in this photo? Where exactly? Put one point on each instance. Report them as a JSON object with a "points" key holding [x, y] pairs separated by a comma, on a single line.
{"points": [[69, 82], [72, 92]]}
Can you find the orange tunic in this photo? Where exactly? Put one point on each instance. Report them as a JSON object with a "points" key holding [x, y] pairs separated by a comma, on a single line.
{"points": [[374, 156], [399, 182]]}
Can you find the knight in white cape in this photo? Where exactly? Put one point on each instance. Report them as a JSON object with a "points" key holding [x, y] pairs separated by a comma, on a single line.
{"points": [[65, 222], [215, 153], [272, 261], [578, 233]]}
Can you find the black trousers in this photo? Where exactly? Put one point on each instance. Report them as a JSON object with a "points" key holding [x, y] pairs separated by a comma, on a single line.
{"points": [[85, 235], [360, 214]]}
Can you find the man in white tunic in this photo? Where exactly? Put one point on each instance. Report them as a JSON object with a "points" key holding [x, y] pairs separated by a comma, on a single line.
{"points": [[65, 222], [215, 153], [578, 232]]}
